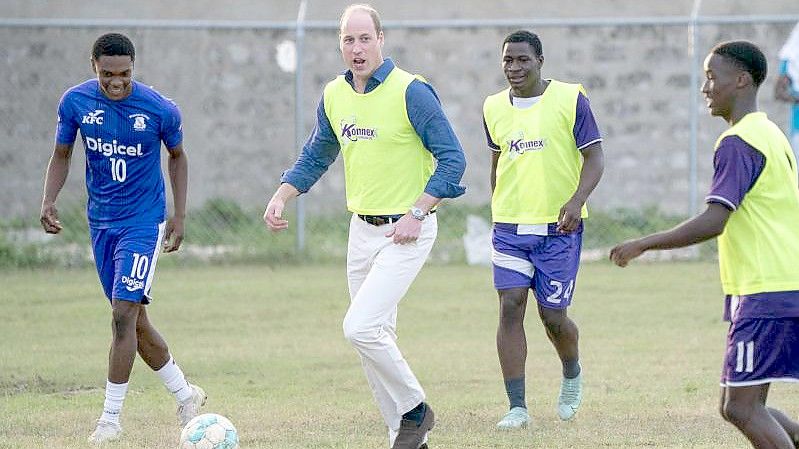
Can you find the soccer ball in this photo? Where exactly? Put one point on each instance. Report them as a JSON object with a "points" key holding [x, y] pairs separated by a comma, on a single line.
{"points": [[209, 431]]}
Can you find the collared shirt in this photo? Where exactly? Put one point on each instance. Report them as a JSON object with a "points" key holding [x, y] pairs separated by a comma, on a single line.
{"points": [[426, 117]]}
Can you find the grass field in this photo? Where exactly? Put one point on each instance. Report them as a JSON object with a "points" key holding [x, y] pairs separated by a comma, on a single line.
{"points": [[267, 346]]}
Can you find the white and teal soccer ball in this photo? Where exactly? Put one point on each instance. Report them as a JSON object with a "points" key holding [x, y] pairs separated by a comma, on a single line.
{"points": [[209, 431]]}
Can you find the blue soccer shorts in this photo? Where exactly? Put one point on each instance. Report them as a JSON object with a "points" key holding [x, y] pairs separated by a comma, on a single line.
{"points": [[125, 258], [761, 351], [546, 263]]}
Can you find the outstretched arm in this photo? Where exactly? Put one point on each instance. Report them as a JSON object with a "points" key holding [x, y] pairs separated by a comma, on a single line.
{"points": [[57, 171], [318, 153], [704, 226]]}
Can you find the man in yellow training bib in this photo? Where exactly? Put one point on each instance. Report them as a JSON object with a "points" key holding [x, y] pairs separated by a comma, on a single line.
{"points": [[547, 159], [401, 157], [753, 208]]}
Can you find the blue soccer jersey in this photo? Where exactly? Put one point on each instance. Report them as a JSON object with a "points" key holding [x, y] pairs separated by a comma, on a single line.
{"points": [[122, 140]]}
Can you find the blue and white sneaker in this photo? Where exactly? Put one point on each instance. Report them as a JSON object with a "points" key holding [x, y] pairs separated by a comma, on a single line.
{"points": [[571, 394], [516, 418]]}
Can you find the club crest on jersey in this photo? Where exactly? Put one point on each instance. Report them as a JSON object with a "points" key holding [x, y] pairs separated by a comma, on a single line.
{"points": [[353, 133], [94, 118], [139, 121], [518, 145]]}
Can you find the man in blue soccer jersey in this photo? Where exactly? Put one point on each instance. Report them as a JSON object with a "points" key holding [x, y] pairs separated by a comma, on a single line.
{"points": [[547, 159], [753, 208], [401, 157], [122, 124]]}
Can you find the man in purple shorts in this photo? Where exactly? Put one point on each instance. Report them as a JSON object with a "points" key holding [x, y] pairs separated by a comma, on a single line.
{"points": [[547, 159], [753, 208], [123, 123]]}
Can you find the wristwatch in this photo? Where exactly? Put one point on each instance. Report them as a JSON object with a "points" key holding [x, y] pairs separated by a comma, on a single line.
{"points": [[418, 213]]}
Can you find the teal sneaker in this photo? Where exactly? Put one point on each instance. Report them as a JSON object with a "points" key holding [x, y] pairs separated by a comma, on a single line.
{"points": [[571, 394], [516, 418]]}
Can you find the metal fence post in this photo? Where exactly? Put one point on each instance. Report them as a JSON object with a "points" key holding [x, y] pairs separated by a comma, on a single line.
{"points": [[694, 113], [298, 116]]}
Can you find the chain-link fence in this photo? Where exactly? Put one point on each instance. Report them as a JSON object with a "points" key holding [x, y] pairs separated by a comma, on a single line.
{"points": [[248, 93]]}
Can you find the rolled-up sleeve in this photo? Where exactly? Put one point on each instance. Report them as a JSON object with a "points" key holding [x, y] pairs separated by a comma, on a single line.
{"points": [[318, 153], [437, 135]]}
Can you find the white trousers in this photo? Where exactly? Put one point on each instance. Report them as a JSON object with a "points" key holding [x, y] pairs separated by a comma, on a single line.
{"points": [[379, 274]]}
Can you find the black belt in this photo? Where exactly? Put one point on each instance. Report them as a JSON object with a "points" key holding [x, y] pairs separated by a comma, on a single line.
{"points": [[380, 220]]}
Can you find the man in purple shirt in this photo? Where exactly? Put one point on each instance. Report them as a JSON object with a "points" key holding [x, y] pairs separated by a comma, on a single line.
{"points": [[753, 208], [543, 129]]}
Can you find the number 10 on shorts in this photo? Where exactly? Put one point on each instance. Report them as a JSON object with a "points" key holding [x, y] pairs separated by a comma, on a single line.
{"points": [[140, 266]]}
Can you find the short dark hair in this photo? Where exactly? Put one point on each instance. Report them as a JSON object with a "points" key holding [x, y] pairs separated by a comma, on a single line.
{"points": [[747, 56], [113, 44], [525, 36]]}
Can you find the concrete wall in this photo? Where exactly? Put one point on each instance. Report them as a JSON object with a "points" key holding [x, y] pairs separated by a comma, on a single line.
{"points": [[238, 105]]}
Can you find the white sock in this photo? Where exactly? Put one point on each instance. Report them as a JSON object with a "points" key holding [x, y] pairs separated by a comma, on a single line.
{"points": [[174, 380], [114, 397]]}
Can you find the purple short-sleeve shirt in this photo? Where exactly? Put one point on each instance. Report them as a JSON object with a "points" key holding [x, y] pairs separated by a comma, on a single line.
{"points": [[737, 166]]}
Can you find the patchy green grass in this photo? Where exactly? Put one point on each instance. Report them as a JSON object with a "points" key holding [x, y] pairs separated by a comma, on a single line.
{"points": [[266, 344]]}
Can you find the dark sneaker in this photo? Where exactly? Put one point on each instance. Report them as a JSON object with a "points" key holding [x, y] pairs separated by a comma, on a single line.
{"points": [[411, 435]]}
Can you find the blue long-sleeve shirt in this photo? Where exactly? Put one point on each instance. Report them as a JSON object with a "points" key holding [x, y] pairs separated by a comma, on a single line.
{"points": [[426, 117]]}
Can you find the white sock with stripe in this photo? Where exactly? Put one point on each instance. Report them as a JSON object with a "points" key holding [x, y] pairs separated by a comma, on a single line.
{"points": [[174, 380], [114, 397]]}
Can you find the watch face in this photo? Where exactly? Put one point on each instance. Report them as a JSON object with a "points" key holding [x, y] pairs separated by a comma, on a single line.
{"points": [[417, 213]]}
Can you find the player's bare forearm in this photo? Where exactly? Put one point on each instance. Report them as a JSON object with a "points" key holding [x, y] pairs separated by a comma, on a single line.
{"points": [[178, 166], [591, 173], [704, 226], [56, 176], [494, 162], [57, 172]]}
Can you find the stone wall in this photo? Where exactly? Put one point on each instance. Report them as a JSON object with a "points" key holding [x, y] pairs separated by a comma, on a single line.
{"points": [[238, 104]]}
